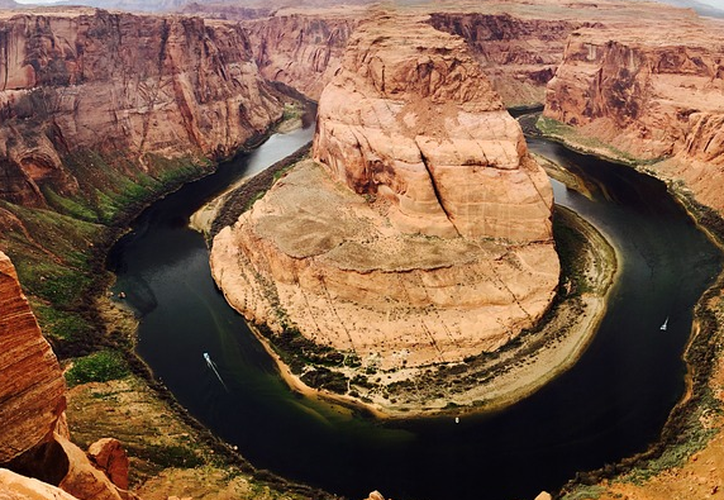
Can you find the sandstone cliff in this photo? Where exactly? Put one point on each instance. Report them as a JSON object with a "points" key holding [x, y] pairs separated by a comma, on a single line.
{"points": [[422, 232], [302, 50], [123, 85], [519, 55], [650, 96], [32, 388]]}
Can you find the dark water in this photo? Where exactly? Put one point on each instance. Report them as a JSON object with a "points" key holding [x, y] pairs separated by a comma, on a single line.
{"points": [[611, 404]]}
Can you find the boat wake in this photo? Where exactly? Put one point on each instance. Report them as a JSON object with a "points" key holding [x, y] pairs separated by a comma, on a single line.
{"points": [[213, 367]]}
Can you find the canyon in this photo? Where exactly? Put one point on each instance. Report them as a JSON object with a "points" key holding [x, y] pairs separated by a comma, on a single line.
{"points": [[401, 243], [97, 107], [144, 86]]}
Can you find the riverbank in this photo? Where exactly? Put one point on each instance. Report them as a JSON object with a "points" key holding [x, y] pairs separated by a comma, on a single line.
{"points": [[171, 453], [688, 456], [485, 382]]}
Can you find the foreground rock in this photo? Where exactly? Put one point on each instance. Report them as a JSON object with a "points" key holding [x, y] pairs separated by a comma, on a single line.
{"points": [[16, 487], [32, 388], [421, 232]]}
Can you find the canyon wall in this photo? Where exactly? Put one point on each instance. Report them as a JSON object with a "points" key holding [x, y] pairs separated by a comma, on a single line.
{"points": [[649, 95], [518, 55], [302, 50], [422, 232], [126, 85]]}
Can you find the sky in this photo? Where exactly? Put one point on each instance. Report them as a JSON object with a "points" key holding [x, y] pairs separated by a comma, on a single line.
{"points": [[719, 4]]}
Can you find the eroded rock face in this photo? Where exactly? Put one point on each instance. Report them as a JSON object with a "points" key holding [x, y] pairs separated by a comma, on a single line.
{"points": [[422, 233], [416, 123], [519, 56], [108, 455], [32, 387], [301, 50], [131, 85], [649, 95]]}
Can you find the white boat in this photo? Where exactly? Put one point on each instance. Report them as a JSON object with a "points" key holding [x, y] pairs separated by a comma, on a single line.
{"points": [[665, 325]]}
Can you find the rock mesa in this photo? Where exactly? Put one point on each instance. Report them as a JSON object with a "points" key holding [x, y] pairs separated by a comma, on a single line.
{"points": [[421, 231]]}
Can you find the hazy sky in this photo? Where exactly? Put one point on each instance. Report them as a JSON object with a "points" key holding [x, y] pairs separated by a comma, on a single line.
{"points": [[719, 4]]}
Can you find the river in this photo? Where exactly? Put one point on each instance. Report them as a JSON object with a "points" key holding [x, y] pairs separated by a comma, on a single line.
{"points": [[611, 404]]}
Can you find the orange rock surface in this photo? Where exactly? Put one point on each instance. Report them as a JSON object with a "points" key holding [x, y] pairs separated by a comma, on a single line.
{"points": [[422, 233], [649, 95], [16, 487], [32, 387], [121, 83]]}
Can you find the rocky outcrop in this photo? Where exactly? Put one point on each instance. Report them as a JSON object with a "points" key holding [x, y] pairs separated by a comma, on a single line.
{"points": [[16, 487], [126, 85], [32, 388], [518, 55], [302, 50], [109, 456], [422, 232], [419, 126]]}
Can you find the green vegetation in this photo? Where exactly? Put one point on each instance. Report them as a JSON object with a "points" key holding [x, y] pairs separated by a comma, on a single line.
{"points": [[585, 493], [571, 137], [59, 250], [101, 366], [169, 456]]}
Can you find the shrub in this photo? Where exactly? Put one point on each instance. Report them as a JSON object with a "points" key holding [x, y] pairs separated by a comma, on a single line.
{"points": [[98, 367]]}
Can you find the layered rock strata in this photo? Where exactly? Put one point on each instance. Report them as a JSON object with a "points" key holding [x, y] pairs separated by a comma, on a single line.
{"points": [[421, 231], [519, 55], [302, 50], [124, 85], [32, 388], [650, 96]]}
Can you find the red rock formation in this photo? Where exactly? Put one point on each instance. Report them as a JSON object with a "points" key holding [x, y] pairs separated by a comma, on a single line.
{"points": [[518, 55], [85, 481], [424, 236], [649, 95], [108, 454], [124, 84], [418, 124], [32, 388], [302, 50]]}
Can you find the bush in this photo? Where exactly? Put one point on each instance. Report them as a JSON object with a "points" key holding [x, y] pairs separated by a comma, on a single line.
{"points": [[98, 367]]}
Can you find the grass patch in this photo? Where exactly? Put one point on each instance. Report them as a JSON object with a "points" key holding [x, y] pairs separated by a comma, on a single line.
{"points": [[585, 493], [60, 325], [573, 138], [98, 367]]}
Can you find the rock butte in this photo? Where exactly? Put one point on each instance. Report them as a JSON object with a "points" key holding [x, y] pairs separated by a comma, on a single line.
{"points": [[421, 231]]}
